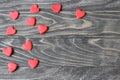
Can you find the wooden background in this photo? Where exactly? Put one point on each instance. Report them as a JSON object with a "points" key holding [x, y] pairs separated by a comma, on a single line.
{"points": [[84, 49]]}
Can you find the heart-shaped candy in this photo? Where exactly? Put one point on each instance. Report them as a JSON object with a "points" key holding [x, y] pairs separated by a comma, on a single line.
{"points": [[80, 13], [27, 45], [12, 66], [31, 21], [33, 63], [42, 28], [34, 8], [11, 31], [56, 7], [8, 51], [14, 15]]}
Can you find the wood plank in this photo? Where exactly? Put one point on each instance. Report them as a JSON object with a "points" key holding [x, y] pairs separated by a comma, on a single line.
{"points": [[100, 18]]}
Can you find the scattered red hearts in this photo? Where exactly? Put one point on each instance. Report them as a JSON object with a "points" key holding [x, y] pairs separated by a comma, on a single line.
{"points": [[27, 45], [12, 66], [11, 31], [31, 21], [14, 15], [34, 8], [42, 28], [33, 63], [8, 51], [80, 13], [56, 7]]}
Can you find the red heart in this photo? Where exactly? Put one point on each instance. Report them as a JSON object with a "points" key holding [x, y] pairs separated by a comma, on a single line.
{"points": [[31, 21], [14, 15], [33, 63], [12, 66], [80, 13], [42, 28], [27, 45], [11, 31], [34, 8], [8, 51], [56, 7]]}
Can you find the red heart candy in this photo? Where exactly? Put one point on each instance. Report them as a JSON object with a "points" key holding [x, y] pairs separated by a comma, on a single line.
{"points": [[34, 8], [80, 13], [14, 15], [11, 31], [12, 66], [8, 51], [42, 28], [27, 45], [31, 21], [56, 7], [33, 63]]}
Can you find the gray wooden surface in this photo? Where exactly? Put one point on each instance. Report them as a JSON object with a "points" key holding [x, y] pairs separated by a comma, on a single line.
{"points": [[84, 49]]}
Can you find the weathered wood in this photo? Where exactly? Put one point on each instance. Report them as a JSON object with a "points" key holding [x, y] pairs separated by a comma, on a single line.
{"points": [[72, 49]]}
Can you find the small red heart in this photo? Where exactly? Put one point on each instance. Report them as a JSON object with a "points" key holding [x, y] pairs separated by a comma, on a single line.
{"points": [[14, 15], [34, 8], [11, 31], [27, 45], [31, 21], [8, 51], [12, 66], [80, 13], [42, 28], [56, 7], [33, 63]]}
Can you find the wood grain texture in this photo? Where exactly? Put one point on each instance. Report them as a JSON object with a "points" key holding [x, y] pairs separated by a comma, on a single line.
{"points": [[72, 49]]}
